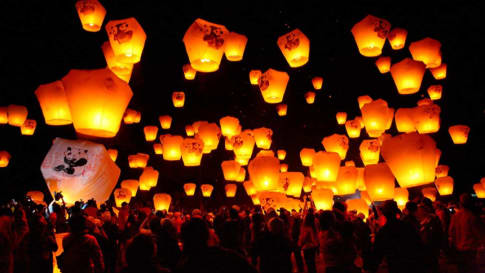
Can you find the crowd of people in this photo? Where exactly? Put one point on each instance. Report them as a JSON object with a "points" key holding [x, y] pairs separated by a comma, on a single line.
{"points": [[233, 239]]}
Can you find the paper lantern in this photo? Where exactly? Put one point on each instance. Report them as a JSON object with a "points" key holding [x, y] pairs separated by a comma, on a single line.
{"points": [[411, 157], [150, 132], [281, 154], [127, 39], [424, 101], [444, 185], [178, 99], [404, 120], [292, 183], [359, 206], [241, 176], [36, 196], [206, 190], [243, 145], [347, 180], [189, 189], [113, 154], [317, 83], [365, 196], [196, 125], [129, 116], [379, 182], [230, 190], [189, 72], [430, 193], [306, 156], [254, 76], [336, 143], [262, 136], [326, 166], [383, 64], [323, 199], [172, 147], [459, 133], [157, 148], [437, 157], [264, 172], [479, 190], [363, 100], [4, 115], [161, 201], [281, 109], [369, 151], [138, 160], [442, 171], [272, 85], [439, 72], [397, 38], [121, 195], [295, 46], [427, 118], [17, 114], [189, 130], [408, 75], [210, 135], [360, 180], [137, 118], [249, 187], [435, 91], [390, 117], [120, 69], [307, 184], [230, 126], [370, 35], [310, 97], [234, 46], [165, 121], [131, 185], [353, 128], [148, 179], [28, 128], [192, 149], [91, 13], [427, 51], [341, 117], [401, 196], [265, 153], [283, 167], [230, 169], [53, 102], [376, 116], [255, 200], [228, 144]]}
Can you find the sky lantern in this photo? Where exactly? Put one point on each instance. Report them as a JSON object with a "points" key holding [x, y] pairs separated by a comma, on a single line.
{"points": [[28, 128], [379, 182], [129, 116], [401, 196], [157, 148], [265, 153], [17, 114], [210, 135], [138, 160], [349, 163], [283, 167], [230, 190], [435, 91], [341, 117], [482, 181], [230, 169], [281, 154], [262, 136], [479, 190], [97, 99], [411, 157], [383, 64], [53, 102], [353, 128], [255, 199], [120, 69], [326, 166], [307, 184], [397, 38], [249, 187], [131, 185], [442, 171], [264, 172], [228, 144], [347, 180], [369, 151], [459, 133], [178, 99], [241, 176], [306, 156], [121, 195], [254, 76], [363, 100], [4, 114], [375, 115], [336, 143], [150, 132], [323, 199], [91, 13], [272, 85], [292, 182], [234, 46], [439, 72], [295, 46], [359, 119], [425, 101], [444, 185], [172, 147], [161, 201], [189, 72], [165, 121], [206, 190], [113, 154], [281, 109], [428, 51], [408, 75], [360, 179], [196, 125], [192, 149], [404, 120], [359, 206], [36, 196], [205, 42], [148, 178], [189, 189], [390, 117], [189, 130], [370, 35], [137, 118], [230, 126], [430, 193], [317, 83], [310, 97], [127, 39], [243, 145], [364, 195], [427, 118]]}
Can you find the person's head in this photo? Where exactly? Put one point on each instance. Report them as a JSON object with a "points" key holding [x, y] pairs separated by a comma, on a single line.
{"points": [[466, 201], [309, 219], [77, 223], [389, 209], [194, 234], [276, 226], [91, 203], [196, 213], [154, 224], [340, 209], [327, 220], [411, 208], [233, 214], [141, 250], [168, 228]]}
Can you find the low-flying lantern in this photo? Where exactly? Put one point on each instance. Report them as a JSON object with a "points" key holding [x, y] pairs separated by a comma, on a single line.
{"points": [[113, 154], [310, 97], [91, 13], [264, 172], [427, 118], [189, 189], [292, 183], [272, 85], [157, 148], [230, 190], [262, 136], [353, 128], [347, 180], [401, 196], [323, 199], [336, 143], [359, 206], [430, 193], [281, 154], [121, 195], [439, 72], [4, 114], [370, 35], [127, 39], [459, 133], [254, 76], [295, 46], [36, 196], [306, 156], [435, 91], [230, 169], [235, 45], [326, 166], [206, 190], [120, 69], [379, 182], [408, 75], [53, 102], [363, 100], [172, 147], [428, 51], [281, 109], [131, 185], [148, 178], [383, 64], [376, 115], [370, 151], [189, 72], [283, 167], [404, 120], [210, 135], [178, 99], [189, 130], [165, 121], [317, 83], [192, 150], [17, 114], [150, 132], [444, 185], [442, 171], [161, 201], [249, 187], [230, 126], [397, 38], [28, 128], [341, 117]]}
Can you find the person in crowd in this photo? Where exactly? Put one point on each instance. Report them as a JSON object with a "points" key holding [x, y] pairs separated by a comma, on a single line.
{"points": [[431, 234], [231, 233], [410, 215], [308, 241], [273, 248], [167, 245], [41, 243], [295, 228], [141, 255], [91, 208]]}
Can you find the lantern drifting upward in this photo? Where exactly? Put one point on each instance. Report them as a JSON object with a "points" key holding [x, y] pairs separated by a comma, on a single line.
{"points": [[148, 178], [189, 130], [376, 115], [353, 128], [113, 154], [306, 156], [264, 173], [272, 84], [241, 176], [254, 76], [150, 132], [121, 195], [435, 91], [359, 206], [326, 166], [428, 51], [341, 117], [283, 167], [129, 116], [401, 196], [53, 102], [127, 39], [230, 169], [363, 100], [439, 72], [427, 118], [310, 97], [172, 147], [249, 187], [281, 154], [230, 190], [281, 109], [28, 128], [262, 136], [444, 185], [235, 45], [383, 64], [479, 190], [459, 133], [210, 135], [442, 171], [370, 35], [120, 69], [178, 99], [243, 146], [161, 201], [347, 180], [165, 121], [17, 114], [230, 126], [295, 46], [397, 38], [323, 199], [369, 151], [430, 193], [192, 149], [317, 83], [189, 189], [424, 101], [91, 13], [131, 185], [292, 182], [336, 143], [157, 148], [206, 190], [4, 115], [379, 182], [404, 120], [138, 160], [189, 72], [408, 75]]}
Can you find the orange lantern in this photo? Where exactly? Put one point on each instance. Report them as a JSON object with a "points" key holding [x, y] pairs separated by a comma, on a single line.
{"points": [[283, 167], [317, 83], [427, 118], [230, 169], [341, 117], [228, 144], [254, 76], [326, 166], [363, 100], [310, 97], [17, 114], [359, 206], [210, 135], [178, 99], [306, 156], [255, 200], [292, 183], [120, 69], [369, 151], [370, 35], [53, 102], [127, 39], [197, 124], [150, 132], [121, 196], [379, 182], [241, 176], [427, 51], [482, 181], [148, 178], [206, 190], [435, 91], [307, 184], [444, 185], [262, 136], [424, 101], [131, 185], [91, 13], [165, 121], [365, 196], [172, 147], [157, 148], [137, 118], [265, 153], [243, 145], [281, 109], [28, 128], [113, 154], [397, 38], [442, 171], [4, 114], [336, 143], [408, 75], [404, 120], [401, 196], [347, 180], [36, 196], [230, 190], [189, 130], [349, 163], [295, 46], [230, 126], [138, 160], [376, 116], [264, 172], [479, 190], [353, 128], [249, 187], [323, 199], [360, 179], [437, 157], [272, 84], [390, 117], [192, 149], [234, 46], [383, 64], [189, 72], [459, 133], [129, 116], [97, 99], [281, 154], [161, 201], [430, 193], [189, 189], [439, 72]]}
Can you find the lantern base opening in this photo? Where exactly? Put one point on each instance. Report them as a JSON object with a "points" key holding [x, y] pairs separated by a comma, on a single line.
{"points": [[96, 132], [370, 51], [298, 61], [91, 27], [205, 65], [58, 122]]}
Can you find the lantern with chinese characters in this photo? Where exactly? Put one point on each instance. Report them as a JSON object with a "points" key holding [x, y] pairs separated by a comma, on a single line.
{"points": [[369, 151], [442, 171], [295, 46], [347, 180], [178, 99], [131, 185], [254, 76], [428, 51], [36, 196], [459, 133], [161, 201], [97, 99], [113, 154], [189, 189], [262, 136], [370, 35], [408, 75], [292, 183], [230, 169], [206, 190], [359, 206], [427, 118], [148, 178], [383, 64], [189, 130], [353, 128], [157, 148], [444, 185], [91, 13], [376, 116], [283, 167], [53, 102], [234, 46], [210, 135], [430, 193], [189, 72], [264, 172], [230, 126], [336, 143], [317, 83], [310, 97], [230, 190], [397, 38], [120, 69], [281, 109], [404, 120], [17, 114], [401, 196], [165, 121], [4, 114], [435, 91], [122, 195], [172, 147], [281, 154], [243, 145], [439, 72], [326, 166], [272, 85], [150, 132], [192, 149], [341, 117], [28, 128], [127, 39], [249, 187], [379, 182], [323, 199], [306, 156]]}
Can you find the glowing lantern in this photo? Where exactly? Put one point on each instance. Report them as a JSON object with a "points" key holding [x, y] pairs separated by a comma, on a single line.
{"points": [[113, 154], [306, 156], [189, 130], [53, 102], [148, 178], [307, 184], [369, 151], [363, 100], [281, 109], [122, 195], [138, 160], [365, 196], [336, 143], [482, 181], [131, 185], [189, 72], [383, 64], [161, 201], [262, 136], [228, 144], [265, 153], [234, 46], [97, 99], [411, 157], [4, 114], [317, 83], [435, 91], [347, 180], [360, 180], [196, 125], [254, 76], [255, 200], [157, 148], [230, 126], [192, 149], [36, 196], [326, 166], [427, 51], [230, 169], [210, 135], [341, 117], [17, 114], [28, 128], [206, 190], [404, 120], [127, 39], [310, 97], [249, 187], [150, 132], [370, 35], [91, 13], [397, 38], [459, 133], [241, 176], [323, 199], [444, 185], [379, 182], [120, 69], [424, 101], [178, 99], [353, 128], [479, 190], [264, 172], [283, 167], [137, 118], [292, 182], [349, 163], [281, 154], [427, 118], [430, 193], [243, 146], [295, 46], [376, 116], [129, 116], [408, 75], [272, 84], [189, 189], [442, 171], [439, 72], [230, 190], [165, 121], [359, 206], [401, 196], [172, 147]]}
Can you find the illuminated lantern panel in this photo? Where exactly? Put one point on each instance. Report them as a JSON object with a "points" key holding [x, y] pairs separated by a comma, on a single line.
{"points": [[370, 35], [228, 145], [444, 185], [295, 46], [427, 118], [310, 97], [326, 166], [137, 117], [408, 75], [459, 133], [383, 64], [306, 156], [265, 153], [263, 136], [401, 196], [272, 85], [243, 146], [189, 189], [230, 190], [341, 117], [172, 147], [138, 160], [36, 196], [254, 76], [234, 46], [189, 130], [347, 180], [148, 178], [307, 184], [317, 83], [196, 125], [129, 116], [189, 72], [369, 151], [292, 182], [359, 206], [363, 100], [17, 114], [365, 196], [121, 196], [91, 13], [165, 122], [479, 190], [435, 91], [4, 114], [439, 72], [230, 126], [397, 38], [412, 158], [157, 148], [204, 42], [359, 119], [113, 154], [161, 201], [150, 132], [249, 187], [404, 120], [178, 99], [192, 149], [241, 176], [353, 128], [206, 190], [230, 169], [120, 69], [131, 185], [349, 163], [281, 154], [255, 200], [442, 171], [360, 179], [28, 128], [53, 102], [281, 109], [127, 39], [376, 116], [379, 182], [428, 51], [323, 199], [336, 143], [210, 135], [264, 172], [283, 167], [430, 193]]}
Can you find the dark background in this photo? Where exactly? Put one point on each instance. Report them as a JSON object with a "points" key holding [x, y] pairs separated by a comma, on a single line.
{"points": [[43, 40]]}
